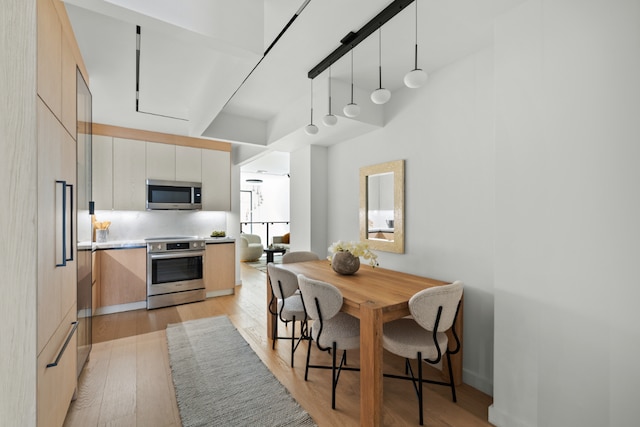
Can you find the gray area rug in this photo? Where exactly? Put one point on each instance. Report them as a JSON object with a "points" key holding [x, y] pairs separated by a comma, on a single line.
{"points": [[220, 381], [261, 264]]}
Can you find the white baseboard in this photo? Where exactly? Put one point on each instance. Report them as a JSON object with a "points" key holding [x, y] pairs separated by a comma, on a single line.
{"points": [[502, 419], [221, 292], [110, 309]]}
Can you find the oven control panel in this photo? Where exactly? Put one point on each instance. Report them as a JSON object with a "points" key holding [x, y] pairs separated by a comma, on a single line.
{"points": [[176, 246]]}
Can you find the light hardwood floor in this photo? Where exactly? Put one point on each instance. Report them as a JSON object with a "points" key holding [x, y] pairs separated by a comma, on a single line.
{"points": [[127, 381]]}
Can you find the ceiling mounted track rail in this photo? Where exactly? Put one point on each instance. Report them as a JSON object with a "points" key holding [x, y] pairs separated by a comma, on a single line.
{"points": [[352, 39]]}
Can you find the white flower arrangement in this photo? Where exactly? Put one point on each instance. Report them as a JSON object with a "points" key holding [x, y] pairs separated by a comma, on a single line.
{"points": [[357, 249]]}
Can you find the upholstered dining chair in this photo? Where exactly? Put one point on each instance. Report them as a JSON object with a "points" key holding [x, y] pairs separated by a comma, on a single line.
{"points": [[299, 256], [423, 337], [332, 330], [289, 306]]}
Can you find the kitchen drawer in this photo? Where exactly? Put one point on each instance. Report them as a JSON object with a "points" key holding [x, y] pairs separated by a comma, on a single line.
{"points": [[57, 384]]}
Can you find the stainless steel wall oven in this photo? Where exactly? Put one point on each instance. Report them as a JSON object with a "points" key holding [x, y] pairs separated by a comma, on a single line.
{"points": [[175, 267]]}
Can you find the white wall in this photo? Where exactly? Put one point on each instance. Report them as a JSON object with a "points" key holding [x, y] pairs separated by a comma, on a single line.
{"points": [[567, 214], [444, 131]]}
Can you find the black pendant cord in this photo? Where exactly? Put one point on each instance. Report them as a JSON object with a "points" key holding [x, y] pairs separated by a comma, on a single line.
{"points": [[352, 76], [416, 52], [329, 90], [380, 58], [311, 101]]}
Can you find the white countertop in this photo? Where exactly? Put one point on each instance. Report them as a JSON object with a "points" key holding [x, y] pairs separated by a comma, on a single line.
{"points": [[140, 243]]}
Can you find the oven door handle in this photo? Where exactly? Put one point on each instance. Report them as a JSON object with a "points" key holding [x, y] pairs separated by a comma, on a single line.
{"points": [[189, 254]]}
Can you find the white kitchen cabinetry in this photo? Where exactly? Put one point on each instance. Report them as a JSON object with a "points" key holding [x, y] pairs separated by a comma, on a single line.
{"points": [[188, 164], [129, 174], [216, 180], [161, 161], [102, 172]]}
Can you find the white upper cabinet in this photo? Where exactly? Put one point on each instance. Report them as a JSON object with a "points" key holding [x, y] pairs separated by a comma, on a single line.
{"points": [[216, 180], [129, 174], [188, 164], [102, 172], [161, 161]]}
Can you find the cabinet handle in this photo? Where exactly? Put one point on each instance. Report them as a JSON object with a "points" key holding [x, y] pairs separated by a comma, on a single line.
{"points": [[68, 218], [61, 215], [66, 343]]}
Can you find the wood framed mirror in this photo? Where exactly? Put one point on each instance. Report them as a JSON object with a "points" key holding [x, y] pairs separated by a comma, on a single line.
{"points": [[382, 206]]}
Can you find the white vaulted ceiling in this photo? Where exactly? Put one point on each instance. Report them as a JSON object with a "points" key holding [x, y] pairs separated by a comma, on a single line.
{"points": [[202, 62]]}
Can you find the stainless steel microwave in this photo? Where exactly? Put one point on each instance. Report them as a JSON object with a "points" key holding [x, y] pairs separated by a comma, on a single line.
{"points": [[173, 195]]}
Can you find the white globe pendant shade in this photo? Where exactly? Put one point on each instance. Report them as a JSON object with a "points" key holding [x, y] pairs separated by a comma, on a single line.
{"points": [[415, 78], [311, 129], [329, 120], [380, 96], [351, 110]]}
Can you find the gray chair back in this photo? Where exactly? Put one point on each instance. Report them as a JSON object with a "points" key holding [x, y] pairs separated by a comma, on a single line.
{"points": [[283, 282], [328, 296], [424, 306], [299, 256]]}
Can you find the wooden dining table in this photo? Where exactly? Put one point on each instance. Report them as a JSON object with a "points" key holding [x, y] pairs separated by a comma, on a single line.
{"points": [[375, 296]]}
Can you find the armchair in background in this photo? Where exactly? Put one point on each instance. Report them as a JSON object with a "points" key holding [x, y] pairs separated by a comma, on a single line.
{"points": [[282, 241], [251, 248]]}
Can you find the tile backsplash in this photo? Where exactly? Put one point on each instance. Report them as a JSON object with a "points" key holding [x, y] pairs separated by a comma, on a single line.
{"points": [[135, 225]]}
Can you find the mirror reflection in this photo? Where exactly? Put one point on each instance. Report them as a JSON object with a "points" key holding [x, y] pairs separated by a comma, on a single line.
{"points": [[380, 209], [382, 206]]}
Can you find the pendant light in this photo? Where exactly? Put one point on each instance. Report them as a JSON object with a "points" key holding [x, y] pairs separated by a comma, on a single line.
{"points": [[416, 77], [329, 119], [351, 109], [311, 129], [380, 95]]}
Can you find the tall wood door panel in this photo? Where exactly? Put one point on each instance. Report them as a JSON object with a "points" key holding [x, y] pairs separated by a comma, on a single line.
{"points": [[50, 56], [69, 88], [129, 174], [56, 282]]}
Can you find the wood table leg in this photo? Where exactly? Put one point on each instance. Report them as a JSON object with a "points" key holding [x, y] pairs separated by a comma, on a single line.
{"points": [[270, 317], [370, 365]]}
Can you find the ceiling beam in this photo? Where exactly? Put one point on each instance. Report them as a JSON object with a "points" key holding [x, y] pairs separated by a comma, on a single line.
{"points": [[352, 39]]}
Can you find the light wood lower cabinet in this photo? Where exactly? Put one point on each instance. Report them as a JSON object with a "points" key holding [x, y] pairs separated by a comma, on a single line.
{"points": [[95, 281], [56, 384], [123, 276], [219, 272]]}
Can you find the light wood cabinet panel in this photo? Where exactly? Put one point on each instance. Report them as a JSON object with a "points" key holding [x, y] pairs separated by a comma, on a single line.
{"points": [[188, 164], [216, 180], [129, 174], [102, 172], [123, 276], [49, 56], [161, 161], [95, 280], [56, 285], [56, 384], [219, 272], [69, 88]]}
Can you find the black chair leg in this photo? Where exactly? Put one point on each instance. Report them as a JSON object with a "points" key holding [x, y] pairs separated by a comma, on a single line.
{"points": [[333, 377], [453, 384], [420, 387], [274, 332], [293, 338], [306, 369]]}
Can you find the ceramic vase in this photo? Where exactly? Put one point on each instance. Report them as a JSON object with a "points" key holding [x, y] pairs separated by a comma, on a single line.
{"points": [[345, 263]]}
